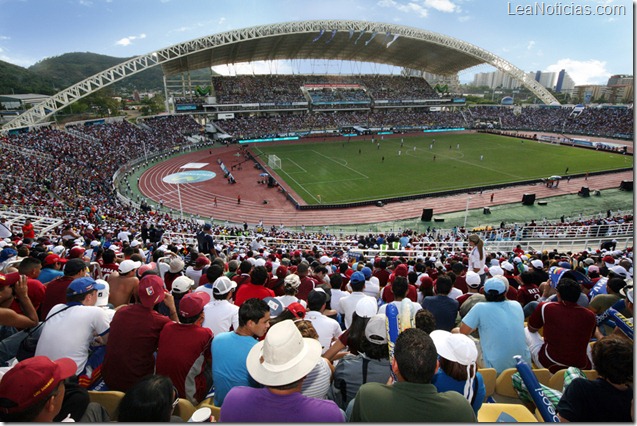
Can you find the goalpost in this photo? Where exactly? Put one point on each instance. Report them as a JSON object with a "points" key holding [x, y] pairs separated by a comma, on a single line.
{"points": [[274, 162]]}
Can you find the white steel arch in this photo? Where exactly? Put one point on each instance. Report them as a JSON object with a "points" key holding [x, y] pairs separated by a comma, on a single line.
{"points": [[413, 48]]}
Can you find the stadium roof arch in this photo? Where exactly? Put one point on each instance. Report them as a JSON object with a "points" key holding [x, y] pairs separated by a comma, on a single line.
{"points": [[318, 39]]}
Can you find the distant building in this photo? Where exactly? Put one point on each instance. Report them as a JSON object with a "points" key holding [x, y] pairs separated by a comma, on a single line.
{"points": [[496, 79], [21, 101], [565, 83], [589, 92], [620, 80]]}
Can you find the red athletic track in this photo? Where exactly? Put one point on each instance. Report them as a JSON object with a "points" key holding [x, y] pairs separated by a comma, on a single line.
{"points": [[197, 198]]}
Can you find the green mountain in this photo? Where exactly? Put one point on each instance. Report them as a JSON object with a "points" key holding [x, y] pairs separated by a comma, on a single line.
{"points": [[19, 80], [70, 68], [51, 75]]}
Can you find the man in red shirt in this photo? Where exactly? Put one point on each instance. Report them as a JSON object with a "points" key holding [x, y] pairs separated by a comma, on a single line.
{"points": [[568, 328], [184, 349], [55, 292], [528, 291], [254, 289], [28, 231], [307, 282], [108, 263], [134, 335], [380, 272], [31, 267]]}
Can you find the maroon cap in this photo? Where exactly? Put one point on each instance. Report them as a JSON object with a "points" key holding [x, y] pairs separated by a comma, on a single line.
{"points": [[281, 271], [76, 252], [151, 290], [53, 258], [32, 380], [202, 261], [401, 270], [192, 304]]}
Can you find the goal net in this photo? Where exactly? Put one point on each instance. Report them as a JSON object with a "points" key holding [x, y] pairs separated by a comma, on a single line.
{"points": [[274, 162]]}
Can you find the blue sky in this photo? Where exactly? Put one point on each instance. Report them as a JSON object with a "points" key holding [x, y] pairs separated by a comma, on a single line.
{"points": [[590, 48]]}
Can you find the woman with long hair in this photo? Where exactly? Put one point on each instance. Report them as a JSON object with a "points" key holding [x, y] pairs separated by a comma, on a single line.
{"points": [[477, 256]]}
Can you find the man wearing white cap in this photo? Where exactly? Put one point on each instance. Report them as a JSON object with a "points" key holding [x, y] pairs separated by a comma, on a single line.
{"points": [[280, 363], [221, 315], [123, 283]]}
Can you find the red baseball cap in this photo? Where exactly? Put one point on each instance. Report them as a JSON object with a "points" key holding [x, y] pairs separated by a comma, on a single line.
{"points": [[151, 290], [192, 304], [9, 279], [53, 258], [297, 310], [32, 380]]}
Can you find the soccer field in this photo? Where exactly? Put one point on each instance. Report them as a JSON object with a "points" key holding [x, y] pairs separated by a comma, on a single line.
{"points": [[334, 172]]}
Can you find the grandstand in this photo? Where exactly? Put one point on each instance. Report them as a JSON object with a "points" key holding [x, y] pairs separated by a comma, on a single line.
{"points": [[271, 108], [148, 188]]}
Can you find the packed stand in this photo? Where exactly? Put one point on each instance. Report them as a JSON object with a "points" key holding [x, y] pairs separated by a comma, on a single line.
{"points": [[226, 325]]}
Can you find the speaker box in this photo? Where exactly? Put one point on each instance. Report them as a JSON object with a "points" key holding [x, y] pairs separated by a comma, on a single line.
{"points": [[270, 181], [528, 199], [626, 185], [439, 219], [584, 192], [427, 214], [486, 210]]}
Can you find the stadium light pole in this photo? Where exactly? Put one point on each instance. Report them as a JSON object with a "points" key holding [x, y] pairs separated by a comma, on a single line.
{"points": [[466, 212], [181, 210]]}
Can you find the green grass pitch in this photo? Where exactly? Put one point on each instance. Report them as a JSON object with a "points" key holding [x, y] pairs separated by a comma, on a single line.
{"points": [[337, 171]]}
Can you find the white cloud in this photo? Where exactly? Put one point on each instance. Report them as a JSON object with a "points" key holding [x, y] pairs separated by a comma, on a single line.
{"points": [[410, 7], [85, 3], [221, 21], [421, 7], [465, 18], [4, 37], [446, 6], [530, 45], [127, 41], [592, 71]]}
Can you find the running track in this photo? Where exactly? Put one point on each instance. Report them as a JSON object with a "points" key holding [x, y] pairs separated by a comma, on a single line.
{"points": [[197, 198]]}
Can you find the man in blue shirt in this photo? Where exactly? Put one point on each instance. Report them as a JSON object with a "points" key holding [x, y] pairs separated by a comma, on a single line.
{"points": [[230, 350]]}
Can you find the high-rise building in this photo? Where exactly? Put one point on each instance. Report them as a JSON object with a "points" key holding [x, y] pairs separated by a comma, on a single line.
{"points": [[565, 83], [546, 79], [495, 79], [620, 80]]}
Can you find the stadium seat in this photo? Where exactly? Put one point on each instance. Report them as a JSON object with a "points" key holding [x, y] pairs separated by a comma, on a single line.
{"points": [[543, 375], [107, 399], [488, 375], [504, 383], [557, 380], [489, 413]]}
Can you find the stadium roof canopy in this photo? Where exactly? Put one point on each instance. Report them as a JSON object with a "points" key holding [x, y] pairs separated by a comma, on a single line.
{"points": [[333, 40], [321, 39]]}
